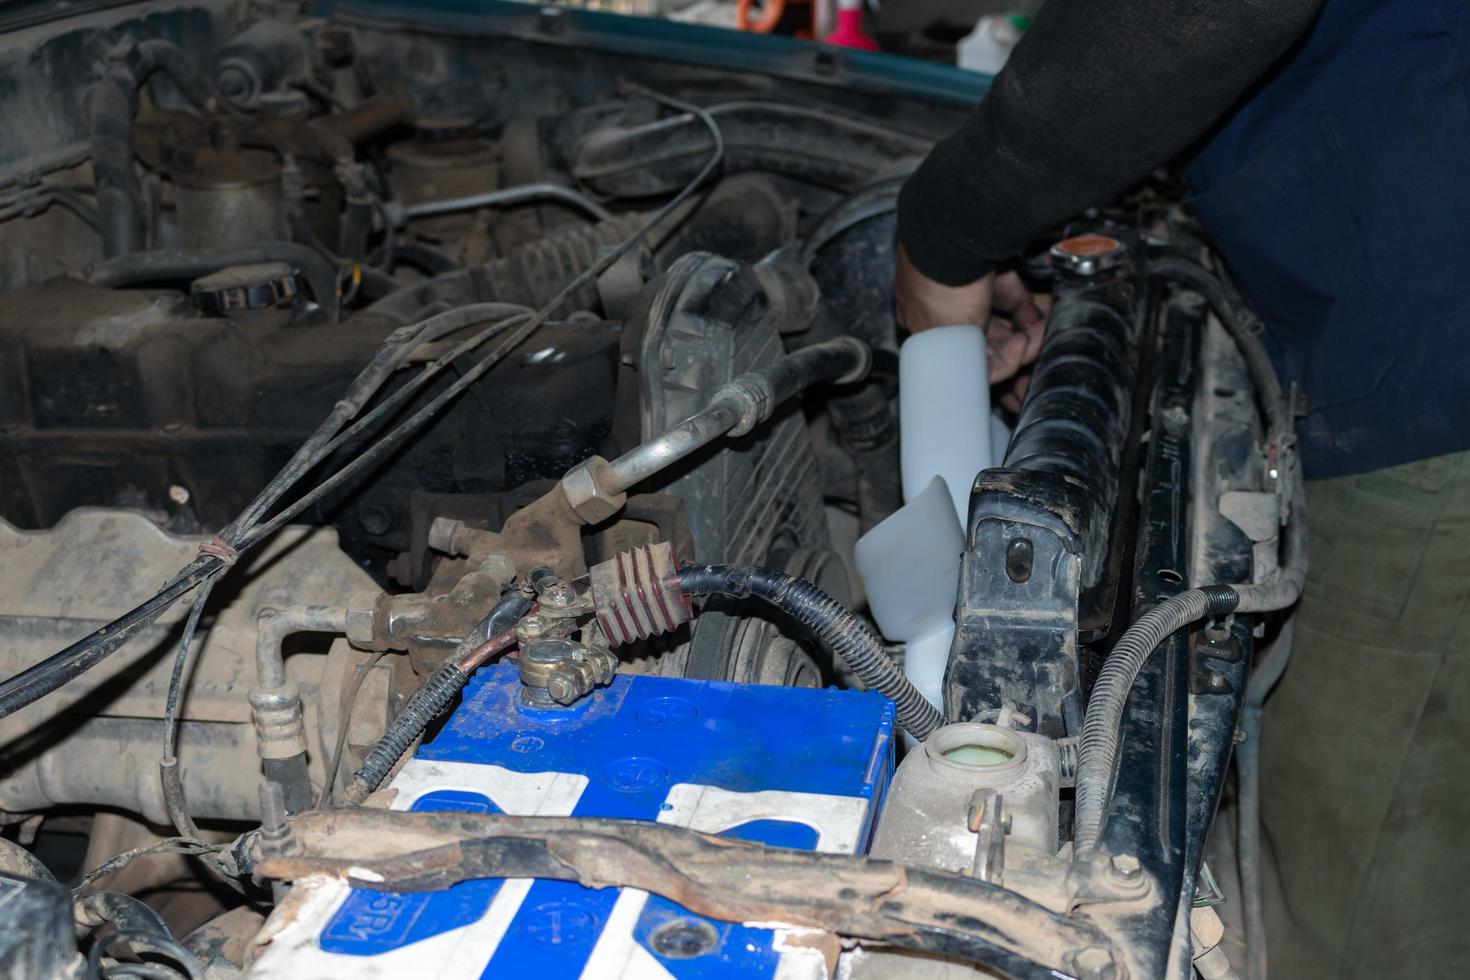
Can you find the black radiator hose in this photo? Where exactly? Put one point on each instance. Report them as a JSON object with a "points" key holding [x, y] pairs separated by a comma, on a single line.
{"points": [[110, 105], [839, 628], [432, 697]]}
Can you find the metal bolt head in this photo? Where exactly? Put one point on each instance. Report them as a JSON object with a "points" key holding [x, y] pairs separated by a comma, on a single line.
{"points": [[532, 627], [563, 687], [1094, 963], [361, 615], [1126, 866]]}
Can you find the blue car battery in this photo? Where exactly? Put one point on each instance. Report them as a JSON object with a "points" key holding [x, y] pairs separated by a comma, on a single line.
{"points": [[785, 767]]}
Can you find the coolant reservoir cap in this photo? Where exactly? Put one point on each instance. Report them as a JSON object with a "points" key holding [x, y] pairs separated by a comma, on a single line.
{"points": [[243, 288], [1087, 255]]}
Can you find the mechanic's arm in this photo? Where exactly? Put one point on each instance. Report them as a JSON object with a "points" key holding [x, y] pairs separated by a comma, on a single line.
{"points": [[1096, 94]]}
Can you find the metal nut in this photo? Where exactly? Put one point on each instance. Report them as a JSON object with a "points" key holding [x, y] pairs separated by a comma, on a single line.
{"points": [[1126, 867], [585, 495], [564, 685], [361, 617]]}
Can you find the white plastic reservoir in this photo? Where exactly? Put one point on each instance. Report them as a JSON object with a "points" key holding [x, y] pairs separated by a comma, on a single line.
{"points": [[944, 412], [910, 566]]}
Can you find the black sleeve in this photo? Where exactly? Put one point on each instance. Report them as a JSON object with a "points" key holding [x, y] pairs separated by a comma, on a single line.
{"points": [[1095, 95]]}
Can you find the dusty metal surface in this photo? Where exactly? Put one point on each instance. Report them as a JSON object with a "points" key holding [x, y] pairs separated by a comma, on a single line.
{"points": [[98, 740]]}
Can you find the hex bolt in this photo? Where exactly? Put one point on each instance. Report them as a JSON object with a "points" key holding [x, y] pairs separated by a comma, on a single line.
{"points": [[1126, 867], [562, 687], [1094, 963]]}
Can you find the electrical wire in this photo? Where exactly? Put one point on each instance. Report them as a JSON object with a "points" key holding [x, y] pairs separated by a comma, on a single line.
{"points": [[345, 716], [169, 845], [44, 678]]}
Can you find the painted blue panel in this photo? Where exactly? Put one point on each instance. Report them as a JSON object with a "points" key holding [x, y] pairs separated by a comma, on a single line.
{"points": [[369, 923], [634, 739]]}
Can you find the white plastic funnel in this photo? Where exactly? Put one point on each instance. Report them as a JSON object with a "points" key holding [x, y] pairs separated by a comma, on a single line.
{"points": [[944, 412], [910, 566]]}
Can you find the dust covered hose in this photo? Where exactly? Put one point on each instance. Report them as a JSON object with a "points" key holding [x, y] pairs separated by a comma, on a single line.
{"points": [[847, 635]]}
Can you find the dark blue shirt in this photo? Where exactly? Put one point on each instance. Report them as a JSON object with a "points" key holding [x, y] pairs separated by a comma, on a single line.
{"points": [[1339, 195]]}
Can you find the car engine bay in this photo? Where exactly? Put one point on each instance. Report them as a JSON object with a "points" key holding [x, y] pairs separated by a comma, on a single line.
{"points": [[456, 519]]}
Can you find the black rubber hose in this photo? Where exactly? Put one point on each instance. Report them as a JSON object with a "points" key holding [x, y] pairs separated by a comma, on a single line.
{"points": [[814, 145], [849, 638], [111, 105], [430, 700], [1244, 327], [178, 264], [295, 780], [1097, 752], [123, 911], [423, 258], [529, 274]]}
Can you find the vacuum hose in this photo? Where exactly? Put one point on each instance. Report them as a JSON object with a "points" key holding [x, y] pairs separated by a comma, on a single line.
{"points": [[847, 635]]}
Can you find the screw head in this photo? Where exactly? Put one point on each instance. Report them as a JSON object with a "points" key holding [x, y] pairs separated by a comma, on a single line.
{"points": [[1126, 866]]}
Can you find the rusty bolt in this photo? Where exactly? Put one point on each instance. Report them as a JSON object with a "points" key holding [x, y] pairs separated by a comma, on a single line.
{"points": [[1126, 867], [1094, 963]]}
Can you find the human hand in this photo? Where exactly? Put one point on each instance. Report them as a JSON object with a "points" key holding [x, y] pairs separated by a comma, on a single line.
{"points": [[1014, 321]]}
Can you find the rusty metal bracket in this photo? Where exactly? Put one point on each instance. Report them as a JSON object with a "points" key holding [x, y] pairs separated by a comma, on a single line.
{"points": [[852, 897]]}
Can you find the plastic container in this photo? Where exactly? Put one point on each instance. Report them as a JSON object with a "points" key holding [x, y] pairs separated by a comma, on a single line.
{"points": [[989, 45], [910, 566], [925, 821], [944, 412]]}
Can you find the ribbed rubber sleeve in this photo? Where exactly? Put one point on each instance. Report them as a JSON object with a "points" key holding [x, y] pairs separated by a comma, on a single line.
{"points": [[847, 635], [1097, 752]]}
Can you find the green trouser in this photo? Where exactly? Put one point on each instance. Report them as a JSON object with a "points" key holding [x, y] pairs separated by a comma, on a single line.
{"points": [[1365, 747]]}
